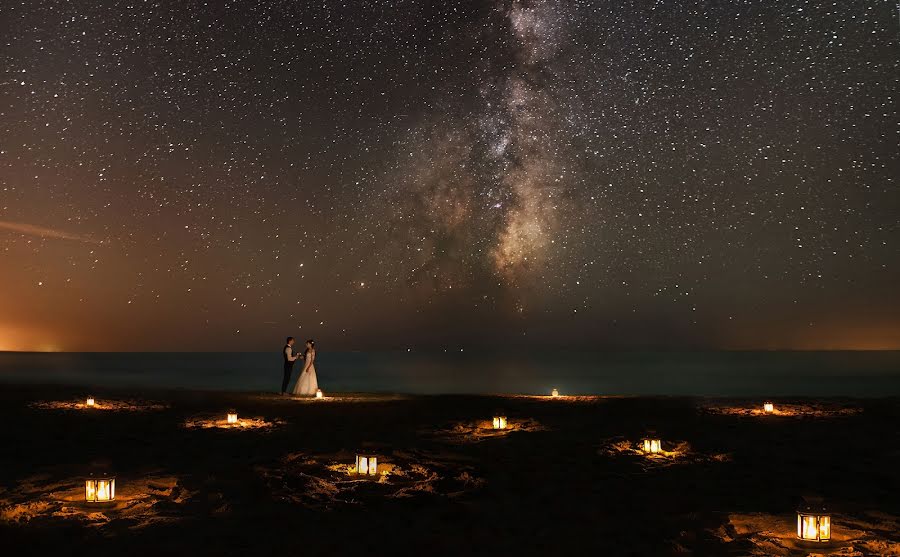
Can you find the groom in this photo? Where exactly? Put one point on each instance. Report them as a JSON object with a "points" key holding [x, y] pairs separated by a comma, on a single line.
{"points": [[289, 359]]}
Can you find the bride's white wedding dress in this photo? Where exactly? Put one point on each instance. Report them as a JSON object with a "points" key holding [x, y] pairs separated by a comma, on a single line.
{"points": [[307, 384]]}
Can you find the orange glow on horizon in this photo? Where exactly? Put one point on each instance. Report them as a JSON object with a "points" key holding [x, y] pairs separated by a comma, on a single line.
{"points": [[21, 339]]}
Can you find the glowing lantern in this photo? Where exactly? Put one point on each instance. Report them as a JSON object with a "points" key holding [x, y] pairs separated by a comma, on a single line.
{"points": [[813, 523], [652, 446], [319, 393], [100, 490], [554, 392], [768, 408], [499, 422], [232, 418], [89, 401], [366, 465]]}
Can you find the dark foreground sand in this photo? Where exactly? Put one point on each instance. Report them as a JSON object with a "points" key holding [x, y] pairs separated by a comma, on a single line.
{"points": [[564, 478]]}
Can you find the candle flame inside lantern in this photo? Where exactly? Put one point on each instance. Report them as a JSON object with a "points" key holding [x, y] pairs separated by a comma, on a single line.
{"points": [[499, 422], [554, 392], [813, 527], [232, 417], [366, 465], [89, 401], [319, 393], [99, 490], [768, 408], [652, 446]]}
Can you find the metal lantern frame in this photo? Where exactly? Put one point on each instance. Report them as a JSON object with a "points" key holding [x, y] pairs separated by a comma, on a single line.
{"points": [[366, 465], [813, 519], [651, 445], [500, 422], [97, 486]]}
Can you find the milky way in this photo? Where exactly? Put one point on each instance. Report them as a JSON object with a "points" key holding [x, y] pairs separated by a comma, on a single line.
{"points": [[615, 174]]}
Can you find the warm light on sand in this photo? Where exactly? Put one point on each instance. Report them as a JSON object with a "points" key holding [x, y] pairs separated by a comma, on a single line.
{"points": [[366, 465], [244, 423], [232, 418], [813, 524], [652, 446], [499, 422], [786, 409], [99, 490]]}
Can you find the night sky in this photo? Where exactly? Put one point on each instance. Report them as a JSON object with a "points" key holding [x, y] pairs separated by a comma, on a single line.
{"points": [[530, 175]]}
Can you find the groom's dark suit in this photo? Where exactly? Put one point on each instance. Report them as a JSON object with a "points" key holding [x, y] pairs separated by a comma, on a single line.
{"points": [[288, 368]]}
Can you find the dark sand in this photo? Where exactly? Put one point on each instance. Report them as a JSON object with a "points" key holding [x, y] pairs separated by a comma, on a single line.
{"points": [[564, 478]]}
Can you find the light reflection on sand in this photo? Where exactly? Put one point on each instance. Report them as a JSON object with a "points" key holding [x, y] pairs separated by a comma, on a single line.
{"points": [[140, 502], [673, 452], [210, 422], [100, 405], [784, 409], [328, 481], [560, 398], [869, 533], [482, 430], [332, 398]]}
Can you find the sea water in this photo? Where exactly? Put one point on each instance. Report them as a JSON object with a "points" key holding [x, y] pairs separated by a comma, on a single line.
{"points": [[863, 374]]}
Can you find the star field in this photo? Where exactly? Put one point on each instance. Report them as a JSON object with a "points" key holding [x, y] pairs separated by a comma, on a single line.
{"points": [[452, 174]]}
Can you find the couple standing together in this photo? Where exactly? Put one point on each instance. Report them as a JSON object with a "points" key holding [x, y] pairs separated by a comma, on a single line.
{"points": [[306, 383]]}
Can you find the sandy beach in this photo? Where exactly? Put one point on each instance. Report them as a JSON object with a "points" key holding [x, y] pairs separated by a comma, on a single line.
{"points": [[566, 475]]}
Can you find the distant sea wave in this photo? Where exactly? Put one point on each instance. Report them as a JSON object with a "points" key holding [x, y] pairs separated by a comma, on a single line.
{"points": [[857, 374]]}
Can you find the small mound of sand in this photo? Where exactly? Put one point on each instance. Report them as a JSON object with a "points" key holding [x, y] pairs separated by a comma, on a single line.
{"points": [[760, 534], [803, 409], [561, 398], [331, 398], [673, 452], [330, 481], [243, 424], [100, 405], [482, 430], [140, 502]]}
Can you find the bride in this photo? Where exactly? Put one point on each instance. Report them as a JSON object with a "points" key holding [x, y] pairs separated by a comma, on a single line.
{"points": [[307, 383]]}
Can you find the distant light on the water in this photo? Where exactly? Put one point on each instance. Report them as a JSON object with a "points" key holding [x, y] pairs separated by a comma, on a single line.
{"points": [[100, 490]]}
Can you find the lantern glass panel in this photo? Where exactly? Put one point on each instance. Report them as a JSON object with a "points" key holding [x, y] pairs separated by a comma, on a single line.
{"points": [[499, 422], [554, 392], [319, 393], [652, 446], [99, 490], [232, 417], [768, 407], [813, 527], [366, 465], [89, 401]]}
